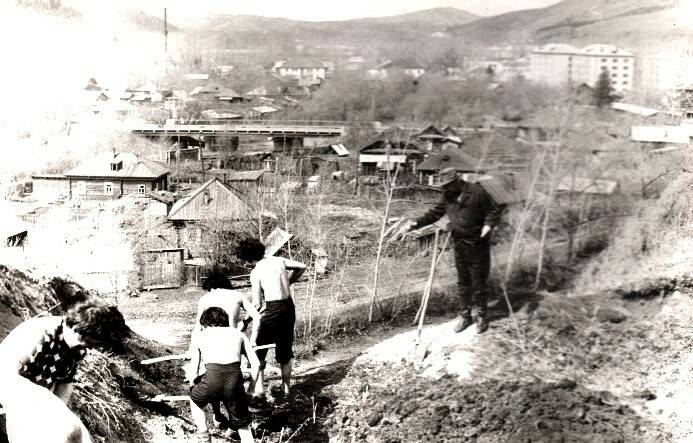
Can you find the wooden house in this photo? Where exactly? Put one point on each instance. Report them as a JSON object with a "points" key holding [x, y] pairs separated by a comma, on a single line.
{"points": [[110, 176], [213, 200], [432, 138], [214, 206], [392, 147], [450, 158]]}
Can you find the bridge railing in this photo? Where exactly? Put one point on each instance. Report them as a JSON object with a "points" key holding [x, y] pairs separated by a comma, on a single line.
{"points": [[266, 123]]}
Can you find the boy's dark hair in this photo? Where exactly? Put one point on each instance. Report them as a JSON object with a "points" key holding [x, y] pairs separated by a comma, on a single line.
{"points": [[216, 279], [97, 323], [214, 318], [251, 249]]}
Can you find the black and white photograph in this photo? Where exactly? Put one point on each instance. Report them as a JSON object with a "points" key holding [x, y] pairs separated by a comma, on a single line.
{"points": [[373, 221]]}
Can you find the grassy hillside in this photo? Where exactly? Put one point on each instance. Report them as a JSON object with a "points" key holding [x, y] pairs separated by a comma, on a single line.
{"points": [[628, 22], [406, 34]]}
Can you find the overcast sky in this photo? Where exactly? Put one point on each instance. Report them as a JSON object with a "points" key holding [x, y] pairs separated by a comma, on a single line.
{"points": [[328, 10]]}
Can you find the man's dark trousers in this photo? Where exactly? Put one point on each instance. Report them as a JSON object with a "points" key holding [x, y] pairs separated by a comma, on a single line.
{"points": [[473, 263]]}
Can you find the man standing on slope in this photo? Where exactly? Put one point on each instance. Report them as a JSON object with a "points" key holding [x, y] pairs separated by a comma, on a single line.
{"points": [[473, 214], [270, 280]]}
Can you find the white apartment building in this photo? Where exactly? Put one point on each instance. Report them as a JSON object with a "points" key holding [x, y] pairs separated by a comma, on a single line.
{"points": [[301, 69], [558, 64], [667, 69]]}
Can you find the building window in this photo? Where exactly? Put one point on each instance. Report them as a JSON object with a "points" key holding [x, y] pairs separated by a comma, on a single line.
{"points": [[625, 75], [615, 60], [603, 60], [141, 190], [108, 188], [614, 75]]}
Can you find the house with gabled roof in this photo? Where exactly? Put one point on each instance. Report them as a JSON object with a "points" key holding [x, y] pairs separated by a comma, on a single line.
{"points": [[213, 200], [450, 158], [214, 92], [111, 175], [434, 138], [388, 149], [212, 204], [406, 66]]}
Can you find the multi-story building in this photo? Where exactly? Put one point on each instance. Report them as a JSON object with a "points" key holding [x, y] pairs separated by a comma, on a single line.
{"points": [[560, 64], [301, 68], [668, 69]]}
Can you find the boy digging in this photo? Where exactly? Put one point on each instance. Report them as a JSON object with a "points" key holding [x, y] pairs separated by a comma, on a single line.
{"points": [[219, 346]]}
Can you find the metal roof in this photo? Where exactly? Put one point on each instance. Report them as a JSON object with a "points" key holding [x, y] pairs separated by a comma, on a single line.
{"points": [[133, 167], [340, 149], [452, 158], [506, 188], [180, 204], [660, 134], [636, 109]]}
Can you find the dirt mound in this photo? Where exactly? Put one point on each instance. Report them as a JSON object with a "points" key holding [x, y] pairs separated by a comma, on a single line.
{"points": [[111, 391], [409, 408]]}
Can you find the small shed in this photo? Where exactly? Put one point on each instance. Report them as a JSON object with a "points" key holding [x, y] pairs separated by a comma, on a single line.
{"points": [[161, 268], [312, 184]]}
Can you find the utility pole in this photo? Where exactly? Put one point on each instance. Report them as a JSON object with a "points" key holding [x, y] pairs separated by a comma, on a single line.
{"points": [[165, 44]]}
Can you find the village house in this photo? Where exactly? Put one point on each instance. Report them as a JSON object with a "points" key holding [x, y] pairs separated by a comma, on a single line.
{"points": [[388, 149], [395, 67], [216, 93], [110, 175], [209, 209], [435, 139], [450, 158], [146, 93]]}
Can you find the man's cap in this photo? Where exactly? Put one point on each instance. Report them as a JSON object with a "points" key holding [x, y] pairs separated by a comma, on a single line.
{"points": [[446, 176]]}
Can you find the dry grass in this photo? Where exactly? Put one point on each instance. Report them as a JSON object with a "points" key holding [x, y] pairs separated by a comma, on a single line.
{"points": [[99, 401], [656, 239]]}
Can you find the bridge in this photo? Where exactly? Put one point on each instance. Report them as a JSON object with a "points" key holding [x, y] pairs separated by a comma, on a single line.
{"points": [[270, 128]]}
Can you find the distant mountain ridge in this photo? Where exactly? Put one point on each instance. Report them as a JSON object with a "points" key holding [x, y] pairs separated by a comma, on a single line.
{"points": [[435, 16], [629, 22]]}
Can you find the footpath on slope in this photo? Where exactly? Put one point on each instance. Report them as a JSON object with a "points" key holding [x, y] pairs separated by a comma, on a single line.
{"points": [[593, 368]]}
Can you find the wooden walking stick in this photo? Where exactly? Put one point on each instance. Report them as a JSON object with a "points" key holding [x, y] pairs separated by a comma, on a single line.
{"points": [[429, 283]]}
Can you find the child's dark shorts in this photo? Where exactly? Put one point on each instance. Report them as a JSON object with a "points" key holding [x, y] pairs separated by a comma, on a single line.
{"points": [[277, 326]]}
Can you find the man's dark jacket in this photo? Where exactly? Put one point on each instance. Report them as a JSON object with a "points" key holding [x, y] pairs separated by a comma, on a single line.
{"points": [[468, 206]]}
